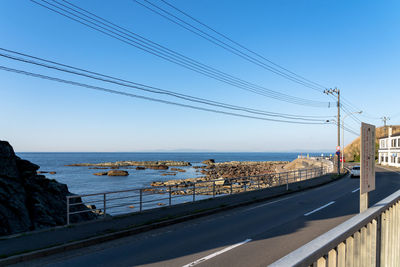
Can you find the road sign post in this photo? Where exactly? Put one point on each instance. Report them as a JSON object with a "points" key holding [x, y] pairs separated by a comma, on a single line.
{"points": [[367, 176], [338, 158]]}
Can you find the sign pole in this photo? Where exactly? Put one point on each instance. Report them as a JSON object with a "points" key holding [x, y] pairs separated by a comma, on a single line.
{"points": [[367, 162]]}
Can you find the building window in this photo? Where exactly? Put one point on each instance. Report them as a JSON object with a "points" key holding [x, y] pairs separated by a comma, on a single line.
{"points": [[394, 143], [382, 143]]}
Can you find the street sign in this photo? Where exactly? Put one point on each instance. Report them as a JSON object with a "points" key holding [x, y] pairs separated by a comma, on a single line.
{"points": [[337, 148], [338, 153], [367, 179]]}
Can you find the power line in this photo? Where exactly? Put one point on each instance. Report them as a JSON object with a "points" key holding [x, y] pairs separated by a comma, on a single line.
{"points": [[172, 56], [190, 27], [243, 47], [98, 88], [129, 84]]}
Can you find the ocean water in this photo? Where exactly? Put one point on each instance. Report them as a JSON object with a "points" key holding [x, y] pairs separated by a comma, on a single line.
{"points": [[80, 180]]}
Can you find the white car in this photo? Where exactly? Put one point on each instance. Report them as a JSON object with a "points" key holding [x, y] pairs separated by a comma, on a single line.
{"points": [[355, 171]]}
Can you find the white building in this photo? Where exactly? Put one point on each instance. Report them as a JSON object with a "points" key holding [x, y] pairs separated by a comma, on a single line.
{"points": [[389, 150]]}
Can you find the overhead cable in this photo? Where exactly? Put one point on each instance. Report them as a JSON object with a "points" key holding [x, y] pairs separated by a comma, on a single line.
{"points": [[103, 89], [106, 78], [95, 22]]}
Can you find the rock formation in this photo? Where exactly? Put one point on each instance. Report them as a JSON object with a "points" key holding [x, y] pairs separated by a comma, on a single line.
{"points": [[29, 201], [117, 173], [208, 161], [134, 163]]}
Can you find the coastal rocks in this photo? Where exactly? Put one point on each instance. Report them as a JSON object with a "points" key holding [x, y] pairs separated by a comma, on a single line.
{"points": [[134, 163], [159, 167], [168, 173], [140, 168], [29, 201], [117, 173], [209, 161], [43, 172], [177, 170], [225, 178], [100, 173]]}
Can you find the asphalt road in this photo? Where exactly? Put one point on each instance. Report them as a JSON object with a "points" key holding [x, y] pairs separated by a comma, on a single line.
{"points": [[254, 235]]}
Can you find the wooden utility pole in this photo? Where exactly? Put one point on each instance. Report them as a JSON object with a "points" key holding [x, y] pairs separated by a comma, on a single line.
{"points": [[337, 92]]}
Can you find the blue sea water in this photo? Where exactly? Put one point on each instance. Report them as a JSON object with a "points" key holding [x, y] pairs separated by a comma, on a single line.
{"points": [[80, 180]]}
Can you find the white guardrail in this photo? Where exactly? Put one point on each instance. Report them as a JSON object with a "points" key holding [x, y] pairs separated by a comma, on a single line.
{"points": [[371, 238], [139, 199]]}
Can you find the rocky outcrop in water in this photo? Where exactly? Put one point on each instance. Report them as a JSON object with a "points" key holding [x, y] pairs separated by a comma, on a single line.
{"points": [[29, 201], [117, 173], [134, 163], [208, 161]]}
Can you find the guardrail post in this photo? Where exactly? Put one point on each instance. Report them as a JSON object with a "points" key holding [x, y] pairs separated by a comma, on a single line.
{"points": [[194, 192], [287, 181], [213, 188], [67, 210], [258, 181], [245, 186], [104, 205], [170, 198], [141, 200], [378, 240]]}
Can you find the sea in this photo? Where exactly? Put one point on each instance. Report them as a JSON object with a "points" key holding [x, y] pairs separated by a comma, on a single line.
{"points": [[80, 180]]}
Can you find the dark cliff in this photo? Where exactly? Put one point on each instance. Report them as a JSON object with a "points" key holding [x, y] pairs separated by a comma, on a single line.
{"points": [[29, 201]]}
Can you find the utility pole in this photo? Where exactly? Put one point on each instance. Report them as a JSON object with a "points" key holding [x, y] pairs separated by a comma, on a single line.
{"points": [[385, 119], [337, 92]]}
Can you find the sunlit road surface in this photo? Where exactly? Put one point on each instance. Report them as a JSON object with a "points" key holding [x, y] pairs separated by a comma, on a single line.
{"points": [[254, 235]]}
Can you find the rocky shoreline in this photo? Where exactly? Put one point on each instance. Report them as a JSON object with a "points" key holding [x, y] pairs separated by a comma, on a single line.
{"points": [[227, 175], [217, 178]]}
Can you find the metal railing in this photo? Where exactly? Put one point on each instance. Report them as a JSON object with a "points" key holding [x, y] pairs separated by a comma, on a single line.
{"points": [[371, 238], [139, 199]]}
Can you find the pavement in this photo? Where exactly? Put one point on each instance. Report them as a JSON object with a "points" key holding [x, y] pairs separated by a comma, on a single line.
{"points": [[252, 235]]}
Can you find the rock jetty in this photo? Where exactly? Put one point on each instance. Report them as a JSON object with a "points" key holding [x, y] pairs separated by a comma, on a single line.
{"points": [[146, 164], [29, 201]]}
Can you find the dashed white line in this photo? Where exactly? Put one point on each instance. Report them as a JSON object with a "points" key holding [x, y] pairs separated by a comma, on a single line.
{"points": [[216, 254], [266, 204], [320, 208], [355, 190]]}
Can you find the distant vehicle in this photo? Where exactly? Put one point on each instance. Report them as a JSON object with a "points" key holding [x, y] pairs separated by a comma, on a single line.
{"points": [[355, 171]]}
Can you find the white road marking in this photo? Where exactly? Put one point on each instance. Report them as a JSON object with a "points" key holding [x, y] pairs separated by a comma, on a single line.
{"points": [[216, 253], [320, 208], [266, 204], [355, 190]]}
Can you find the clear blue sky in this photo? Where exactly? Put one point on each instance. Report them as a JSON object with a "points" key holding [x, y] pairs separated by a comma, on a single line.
{"points": [[353, 45]]}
